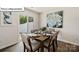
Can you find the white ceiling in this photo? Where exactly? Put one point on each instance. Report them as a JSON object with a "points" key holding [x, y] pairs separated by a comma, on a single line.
{"points": [[41, 9]]}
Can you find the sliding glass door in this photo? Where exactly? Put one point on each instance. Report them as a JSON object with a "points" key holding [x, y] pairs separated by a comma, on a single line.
{"points": [[26, 24]]}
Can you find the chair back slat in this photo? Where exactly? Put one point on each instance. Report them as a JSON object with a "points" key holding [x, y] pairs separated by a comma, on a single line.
{"points": [[56, 35], [53, 37], [25, 39]]}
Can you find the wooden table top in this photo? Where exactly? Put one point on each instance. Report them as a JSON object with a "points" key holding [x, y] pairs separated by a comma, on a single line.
{"points": [[41, 38]]}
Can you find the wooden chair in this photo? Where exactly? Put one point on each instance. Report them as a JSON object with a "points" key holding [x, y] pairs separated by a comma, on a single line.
{"points": [[52, 42], [49, 43], [29, 44], [36, 31], [55, 40]]}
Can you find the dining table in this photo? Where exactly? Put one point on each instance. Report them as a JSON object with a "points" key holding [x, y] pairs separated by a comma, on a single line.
{"points": [[40, 38]]}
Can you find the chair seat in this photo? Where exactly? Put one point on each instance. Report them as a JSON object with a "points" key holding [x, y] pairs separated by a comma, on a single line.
{"points": [[35, 45], [46, 43], [29, 43]]}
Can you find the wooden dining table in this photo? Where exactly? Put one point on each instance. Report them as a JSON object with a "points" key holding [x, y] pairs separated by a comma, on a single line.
{"points": [[40, 38]]}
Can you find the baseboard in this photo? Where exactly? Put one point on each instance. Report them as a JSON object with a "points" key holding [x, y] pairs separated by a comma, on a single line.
{"points": [[69, 42]]}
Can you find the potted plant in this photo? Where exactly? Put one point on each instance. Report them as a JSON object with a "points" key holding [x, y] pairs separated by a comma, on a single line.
{"points": [[43, 29]]}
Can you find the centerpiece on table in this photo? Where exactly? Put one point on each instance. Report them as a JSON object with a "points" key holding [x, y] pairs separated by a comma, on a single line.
{"points": [[43, 29]]}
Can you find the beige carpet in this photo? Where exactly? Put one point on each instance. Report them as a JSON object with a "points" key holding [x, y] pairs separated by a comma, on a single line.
{"points": [[66, 47], [62, 47]]}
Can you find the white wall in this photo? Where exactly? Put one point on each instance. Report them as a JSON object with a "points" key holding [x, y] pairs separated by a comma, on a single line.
{"points": [[30, 13], [70, 30], [8, 33]]}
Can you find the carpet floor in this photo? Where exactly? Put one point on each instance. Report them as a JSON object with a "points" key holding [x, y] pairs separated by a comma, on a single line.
{"points": [[62, 47], [66, 47]]}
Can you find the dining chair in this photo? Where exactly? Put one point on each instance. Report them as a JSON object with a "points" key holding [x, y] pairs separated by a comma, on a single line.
{"points": [[50, 42], [32, 31], [55, 40], [30, 44], [35, 31]]}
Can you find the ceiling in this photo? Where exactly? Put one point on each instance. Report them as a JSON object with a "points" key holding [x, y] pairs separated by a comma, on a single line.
{"points": [[41, 9]]}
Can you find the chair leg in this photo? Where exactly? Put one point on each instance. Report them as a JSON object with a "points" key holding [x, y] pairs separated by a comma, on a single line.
{"points": [[27, 50], [24, 47], [56, 43], [49, 49], [24, 50], [38, 50], [53, 45]]}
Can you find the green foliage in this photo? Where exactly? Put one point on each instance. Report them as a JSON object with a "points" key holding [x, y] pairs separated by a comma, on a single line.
{"points": [[23, 19], [43, 28]]}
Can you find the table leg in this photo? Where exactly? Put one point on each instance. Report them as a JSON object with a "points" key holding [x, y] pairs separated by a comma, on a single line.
{"points": [[42, 48]]}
